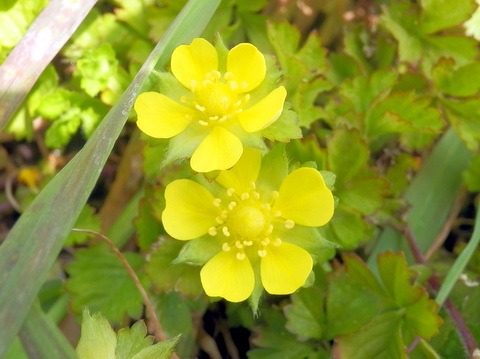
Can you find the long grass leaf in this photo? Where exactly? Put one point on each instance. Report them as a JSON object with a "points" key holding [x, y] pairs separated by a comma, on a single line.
{"points": [[34, 242]]}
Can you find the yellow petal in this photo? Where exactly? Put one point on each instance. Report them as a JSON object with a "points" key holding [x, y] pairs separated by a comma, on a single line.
{"points": [[247, 64], [264, 112], [220, 150], [227, 277], [189, 210], [304, 198], [240, 176], [160, 116], [192, 62], [285, 268]]}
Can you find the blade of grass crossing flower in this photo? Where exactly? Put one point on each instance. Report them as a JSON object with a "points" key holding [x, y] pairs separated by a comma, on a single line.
{"points": [[34, 242], [41, 338], [431, 195], [45, 37], [460, 263]]}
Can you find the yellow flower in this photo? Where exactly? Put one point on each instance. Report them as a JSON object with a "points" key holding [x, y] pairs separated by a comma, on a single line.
{"points": [[217, 110], [256, 227]]}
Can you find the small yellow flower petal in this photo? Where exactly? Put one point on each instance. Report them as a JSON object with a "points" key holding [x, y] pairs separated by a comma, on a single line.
{"points": [[264, 112], [189, 210], [247, 64], [285, 268], [227, 277], [246, 171], [304, 198], [192, 62], [220, 150], [159, 116]]}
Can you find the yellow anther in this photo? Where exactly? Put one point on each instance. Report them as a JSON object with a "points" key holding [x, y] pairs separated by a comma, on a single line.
{"points": [[276, 242], [238, 103], [203, 123], [188, 117], [212, 231], [232, 205], [199, 108], [238, 245], [270, 229], [223, 118], [240, 256], [277, 214], [225, 231], [183, 99], [213, 118], [238, 111], [224, 214], [266, 241], [228, 76], [219, 220], [247, 243], [289, 224], [233, 85], [243, 85], [193, 84], [206, 83], [226, 247], [216, 74], [256, 195], [262, 253], [245, 196], [230, 192], [252, 184], [275, 194], [246, 98], [216, 202]]}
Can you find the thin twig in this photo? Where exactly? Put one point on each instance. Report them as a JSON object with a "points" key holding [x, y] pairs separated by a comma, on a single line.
{"points": [[158, 331]]}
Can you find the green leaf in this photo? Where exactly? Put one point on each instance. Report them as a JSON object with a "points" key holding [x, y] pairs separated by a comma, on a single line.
{"points": [[274, 341], [162, 350], [437, 15], [461, 82], [284, 128], [465, 118], [33, 244], [305, 315], [366, 194], [148, 227], [95, 69], [380, 339], [131, 341], [471, 176], [168, 273], [98, 280], [97, 340]]}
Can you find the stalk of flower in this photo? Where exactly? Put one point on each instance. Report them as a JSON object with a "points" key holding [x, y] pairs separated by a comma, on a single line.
{"points": [[255, 226], [217, 113]]}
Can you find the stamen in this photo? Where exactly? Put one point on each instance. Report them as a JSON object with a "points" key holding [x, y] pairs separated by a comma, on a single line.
{"points": [[226, 232], [228, 76], [232, 205], [223, 118], [270, 229], [289, 224], [226, 247], [240, 256], [266, 241], [193, 84], [224, 214], [216, 202], [203, 123], [212, 231], [238, 245], [216, 74], [243, 85], [188, 117], [199, 108], [277, 242], [183, 99], [277, 214], [262, 253], [230, 192], [266, 206], [213, 118], [247, 243], [245, 196], [275, 194], [219, 220], [205, 83], [233, 85], [238, 103], [256, 195], [246, 98], [238, 111]]}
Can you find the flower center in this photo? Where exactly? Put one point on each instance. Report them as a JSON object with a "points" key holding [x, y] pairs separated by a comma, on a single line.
{"points": [[217, 98], [248, 222]]}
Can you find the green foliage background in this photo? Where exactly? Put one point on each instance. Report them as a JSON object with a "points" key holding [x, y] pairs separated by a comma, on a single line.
{"points": [[387, 95]]}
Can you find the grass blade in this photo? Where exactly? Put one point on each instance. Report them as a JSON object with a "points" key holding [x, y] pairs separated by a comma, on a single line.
{"points": [[34, 242]]}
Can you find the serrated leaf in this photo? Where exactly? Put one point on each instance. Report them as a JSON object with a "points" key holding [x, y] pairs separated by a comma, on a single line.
{"points": [[60, 132], [438, 15], [465, 118], [380, 339], [162, 350], [97, 340], [366, 194], [305, 315], [131, 341], [347, 164], [461, 82], [167, 276], [99, 281], [284, 128]]}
